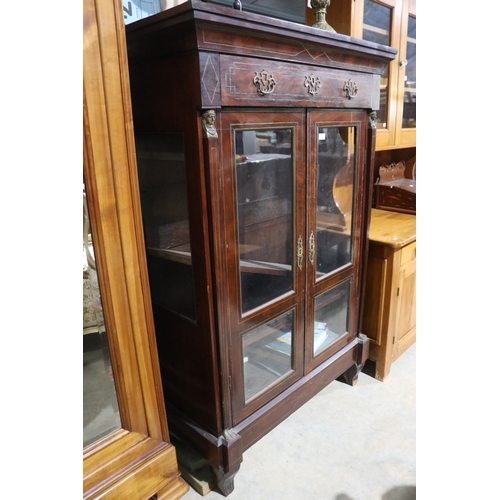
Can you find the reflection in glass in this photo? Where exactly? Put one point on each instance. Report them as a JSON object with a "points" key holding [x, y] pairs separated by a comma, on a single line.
{"points": [[331, 313], [100, 405], [377, 28], [267, 354], [264, 173], [334, 210], [410, 99], [164, 199], [290, 10]]}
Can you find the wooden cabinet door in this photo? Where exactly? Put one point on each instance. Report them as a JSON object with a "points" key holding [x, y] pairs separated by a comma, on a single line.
{"points": [[405, 324], [335, 204], [263, 206]]}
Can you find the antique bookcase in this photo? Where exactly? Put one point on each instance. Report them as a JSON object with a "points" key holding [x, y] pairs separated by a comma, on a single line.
{"points": [[254, 139]]}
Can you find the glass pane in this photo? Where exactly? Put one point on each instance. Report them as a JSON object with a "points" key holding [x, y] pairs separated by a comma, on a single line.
{"points": [[100, 405], [331, 313], [163, 185], [265, 180], [335, 193], [377, 20], [410, 99], [290, 10], [267, 354]]}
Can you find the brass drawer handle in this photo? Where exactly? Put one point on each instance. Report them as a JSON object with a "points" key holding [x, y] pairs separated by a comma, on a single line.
{"points": [[312, 83], [264, 82], [350, 89], [312, 248]]}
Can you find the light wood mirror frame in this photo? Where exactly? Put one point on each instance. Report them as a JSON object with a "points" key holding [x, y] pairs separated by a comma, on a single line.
{"points": [[137, 461]]}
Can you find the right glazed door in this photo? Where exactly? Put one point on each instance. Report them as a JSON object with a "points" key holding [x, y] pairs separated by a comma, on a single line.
{"points": [[335, 205], [293, 185]]}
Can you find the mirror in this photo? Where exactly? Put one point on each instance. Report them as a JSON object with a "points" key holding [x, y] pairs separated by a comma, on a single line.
{"points": [[101, 415]]}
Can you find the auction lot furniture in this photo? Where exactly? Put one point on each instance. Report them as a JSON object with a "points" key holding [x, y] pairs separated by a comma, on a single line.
{"points": [[255, 142], [389, 316]]}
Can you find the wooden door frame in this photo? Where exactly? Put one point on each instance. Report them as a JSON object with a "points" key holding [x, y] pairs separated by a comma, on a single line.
{"points": [[137, 461]]}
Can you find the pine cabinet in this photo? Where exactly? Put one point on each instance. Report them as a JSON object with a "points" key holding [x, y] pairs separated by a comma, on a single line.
{"points": [[255, 146], [389, 22], [389, 316]]}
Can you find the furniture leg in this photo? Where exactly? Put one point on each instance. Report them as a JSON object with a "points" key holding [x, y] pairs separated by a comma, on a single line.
{"points": [[350, 376]]}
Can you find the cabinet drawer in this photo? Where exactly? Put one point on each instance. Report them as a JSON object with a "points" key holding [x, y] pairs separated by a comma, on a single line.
{"points": [[409, 252], [257, 82]]}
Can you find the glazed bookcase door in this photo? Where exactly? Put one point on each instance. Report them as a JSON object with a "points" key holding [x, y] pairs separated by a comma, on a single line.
{"points": [[381, 24], [392, 23], [264, 196], [334, 207], [407, 84]]}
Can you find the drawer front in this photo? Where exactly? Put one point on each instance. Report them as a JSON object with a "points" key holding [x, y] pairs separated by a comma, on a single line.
{"points": [[409, 252], [262, 82]]}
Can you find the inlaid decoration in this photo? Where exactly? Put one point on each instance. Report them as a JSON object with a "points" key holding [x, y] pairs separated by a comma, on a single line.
{"points": [[313, 84], [210, 79], [351, 89], [264, 82]]}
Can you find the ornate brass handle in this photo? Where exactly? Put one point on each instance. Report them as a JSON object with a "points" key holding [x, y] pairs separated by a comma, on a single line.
{"points": [[300, 252], [264, 82], [312, 248], [350, 89]]}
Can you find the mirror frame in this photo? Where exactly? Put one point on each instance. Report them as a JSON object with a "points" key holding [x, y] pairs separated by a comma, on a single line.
{"points": [[136, 461]]}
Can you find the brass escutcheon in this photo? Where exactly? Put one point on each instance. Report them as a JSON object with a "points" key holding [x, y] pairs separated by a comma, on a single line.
{"points": [[300, 252], [312, 248]]}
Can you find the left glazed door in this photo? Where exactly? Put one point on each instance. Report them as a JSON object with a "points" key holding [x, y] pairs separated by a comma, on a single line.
{"points": [[264, 196]]}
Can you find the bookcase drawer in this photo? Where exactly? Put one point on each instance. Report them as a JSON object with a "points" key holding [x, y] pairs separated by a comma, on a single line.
{"points": [[409, 252], [252, 82]]}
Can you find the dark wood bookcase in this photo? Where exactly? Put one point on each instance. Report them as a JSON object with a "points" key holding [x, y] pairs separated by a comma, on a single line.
{"points": [[255, 140]]}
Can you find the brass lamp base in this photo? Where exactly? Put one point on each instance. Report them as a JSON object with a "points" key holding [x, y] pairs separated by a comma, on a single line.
{"points": [[319, 7]]}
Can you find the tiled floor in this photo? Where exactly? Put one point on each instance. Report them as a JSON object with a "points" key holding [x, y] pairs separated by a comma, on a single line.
{"points": [[347, 443]]}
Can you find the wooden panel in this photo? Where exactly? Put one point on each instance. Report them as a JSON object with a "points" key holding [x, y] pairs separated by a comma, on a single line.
{"points": [[238, 87], [392, 229], [400, 198], [146, 478], [210, 80], [129, 460], [409, 252], [375, 298], [406, 315], [99, 455]]}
